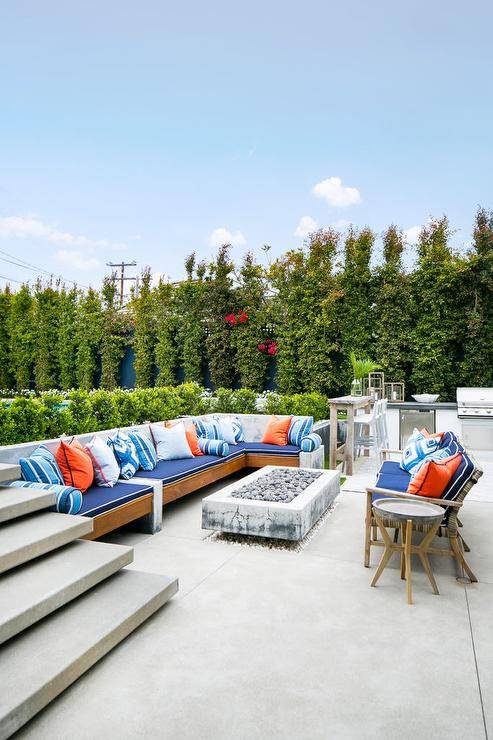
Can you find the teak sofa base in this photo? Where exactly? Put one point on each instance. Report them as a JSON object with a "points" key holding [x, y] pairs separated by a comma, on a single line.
{"points": [[192, 483], [121, 515]]}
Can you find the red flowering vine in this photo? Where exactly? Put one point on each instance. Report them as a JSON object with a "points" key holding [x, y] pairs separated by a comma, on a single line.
{"points": [[268, 346], [233, 319]]}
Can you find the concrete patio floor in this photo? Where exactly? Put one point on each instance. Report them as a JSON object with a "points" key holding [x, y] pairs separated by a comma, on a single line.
{"points": [[265, 643]]}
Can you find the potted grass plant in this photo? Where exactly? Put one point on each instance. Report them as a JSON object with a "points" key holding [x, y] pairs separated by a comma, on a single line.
{"points": [[361, 368]]}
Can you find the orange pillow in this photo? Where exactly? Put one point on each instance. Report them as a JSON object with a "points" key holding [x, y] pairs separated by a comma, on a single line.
{"points": [[433, 477], [277, 431], [193, 441], [192, 438], [75, 465]]}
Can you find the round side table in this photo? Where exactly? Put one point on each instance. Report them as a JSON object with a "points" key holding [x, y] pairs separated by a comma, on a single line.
{"points": [[407, 513]]}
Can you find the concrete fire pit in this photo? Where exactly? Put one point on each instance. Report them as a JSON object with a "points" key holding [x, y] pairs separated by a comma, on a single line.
{"points": [[294, 503]]}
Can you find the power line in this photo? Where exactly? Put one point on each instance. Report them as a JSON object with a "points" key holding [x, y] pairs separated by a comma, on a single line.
{"points": [[18, 262], [122, 265], [10, 280]]}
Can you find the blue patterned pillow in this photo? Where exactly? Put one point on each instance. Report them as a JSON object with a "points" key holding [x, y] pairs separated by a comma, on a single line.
{"points": [[311, 442], [41, 467], [125, 453], [238, 430], [207, 429], [145, 450], [301, 426], [68, 499], [417, 448], [214, 447]]}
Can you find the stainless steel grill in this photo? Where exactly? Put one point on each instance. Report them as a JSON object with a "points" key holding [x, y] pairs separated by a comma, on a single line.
{"points": [[475, 403]]}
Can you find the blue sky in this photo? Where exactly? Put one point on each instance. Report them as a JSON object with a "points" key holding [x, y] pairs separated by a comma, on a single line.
{"points": [[136, 130]]}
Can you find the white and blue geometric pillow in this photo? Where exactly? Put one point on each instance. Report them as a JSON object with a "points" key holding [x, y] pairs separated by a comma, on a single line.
{"points": [[41, 467], [233, 426], [125, 453], [145, 450], [310, 442], [417, 448], [301, 426], [238, 429]]}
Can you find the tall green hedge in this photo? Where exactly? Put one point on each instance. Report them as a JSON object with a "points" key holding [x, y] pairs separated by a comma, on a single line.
{"points": [[428, 324]]}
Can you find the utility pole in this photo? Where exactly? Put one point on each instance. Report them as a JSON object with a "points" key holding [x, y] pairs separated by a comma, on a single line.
{"points": [[122, 266]]}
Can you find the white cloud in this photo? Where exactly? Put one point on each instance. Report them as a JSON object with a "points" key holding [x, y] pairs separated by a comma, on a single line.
{"points": [[29, 227], [223, 236], [306, 225], [411, 235], [76, 260], [336, 194]]}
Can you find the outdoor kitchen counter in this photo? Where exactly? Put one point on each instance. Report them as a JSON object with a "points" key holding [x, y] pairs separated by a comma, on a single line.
{"points": [[438, 406]]}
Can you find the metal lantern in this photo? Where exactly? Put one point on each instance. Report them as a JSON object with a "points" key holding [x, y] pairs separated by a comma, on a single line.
{"points": [[376, 385], [394, 392]]}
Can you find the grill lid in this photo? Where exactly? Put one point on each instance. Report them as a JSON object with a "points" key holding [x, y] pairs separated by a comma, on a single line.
{"points": [[475, 397]]}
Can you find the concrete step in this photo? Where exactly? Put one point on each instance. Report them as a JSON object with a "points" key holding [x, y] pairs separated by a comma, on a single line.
{"points": [[34, 535], [39, 664], [16, 502], [37, 588]]}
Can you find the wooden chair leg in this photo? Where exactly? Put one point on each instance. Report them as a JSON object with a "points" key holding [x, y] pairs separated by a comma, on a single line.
{"points": [[464, 544], [368, 530], [456, 548], [407, 550]]}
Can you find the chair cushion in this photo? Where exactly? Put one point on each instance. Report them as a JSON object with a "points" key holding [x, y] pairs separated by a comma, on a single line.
{"points": [[462, 475], [97, 500], [392, 477], [171, 471], [301, 426], [269, 449]]}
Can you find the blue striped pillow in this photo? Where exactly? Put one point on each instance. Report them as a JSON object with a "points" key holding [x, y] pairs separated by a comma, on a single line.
{"points": [[68, 499], [301, 426], [311, 442], [207, 429], [214, 447], [145, 450], [41, 467], [125, 453]]}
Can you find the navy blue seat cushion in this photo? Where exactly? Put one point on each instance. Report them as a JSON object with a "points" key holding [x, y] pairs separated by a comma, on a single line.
{"points": [[97, 500], [170, 471], [261, 447], [392, 477]]}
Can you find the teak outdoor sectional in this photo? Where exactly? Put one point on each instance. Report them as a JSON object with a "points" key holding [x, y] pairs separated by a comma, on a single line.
{"points": [[141, 499]]}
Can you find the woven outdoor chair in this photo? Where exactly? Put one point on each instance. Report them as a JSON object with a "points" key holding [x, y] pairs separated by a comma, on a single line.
{"points": [[449, 527]]}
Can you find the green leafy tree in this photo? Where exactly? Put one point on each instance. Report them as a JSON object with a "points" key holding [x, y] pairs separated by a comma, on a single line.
{"points": [[114, 335], [6, 377], [145, 332], [392, 310], [21, 333], [307, 303], [165, 350], [357, 318], [477, 363], [89, 334], [252, 320], [190, 330], [46, 368], [219, 302], [66, 341], [436, 314]]}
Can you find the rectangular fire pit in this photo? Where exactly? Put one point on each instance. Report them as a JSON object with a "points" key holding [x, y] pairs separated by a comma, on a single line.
{"points": [[278, 507]]}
